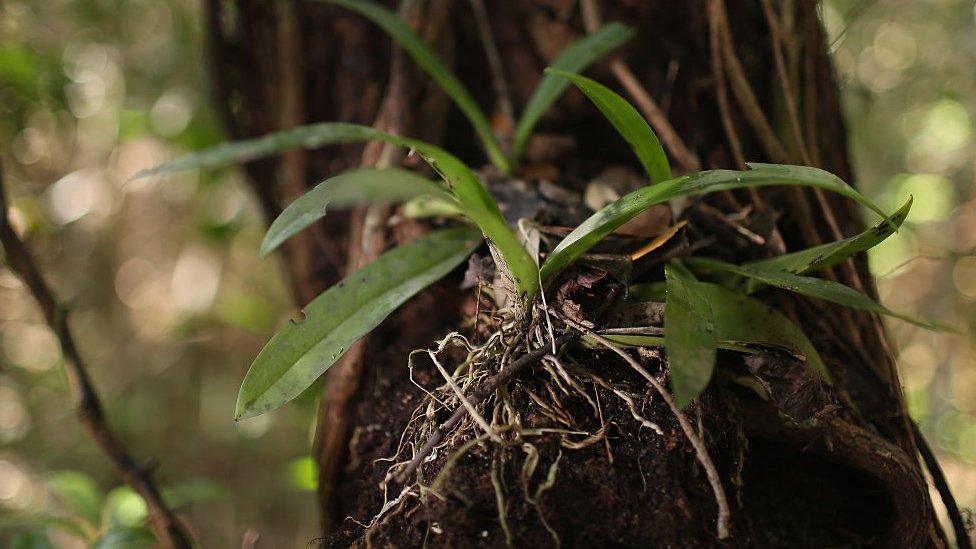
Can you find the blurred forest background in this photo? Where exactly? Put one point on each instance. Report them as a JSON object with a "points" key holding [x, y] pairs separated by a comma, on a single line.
{"points": [[171, 302]]}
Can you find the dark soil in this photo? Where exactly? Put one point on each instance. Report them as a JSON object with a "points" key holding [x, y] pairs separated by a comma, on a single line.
{"points": [[652, 492]]}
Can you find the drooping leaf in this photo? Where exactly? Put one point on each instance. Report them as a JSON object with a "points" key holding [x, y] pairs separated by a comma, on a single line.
{"points": [[609, 218], [574, 58], [310, 137], [813, 287], [405, 36], [739, 320], [827, 255], [628, 123], [689, 335], [79, 492], [357, 186], [474, 200], [300, 352]]}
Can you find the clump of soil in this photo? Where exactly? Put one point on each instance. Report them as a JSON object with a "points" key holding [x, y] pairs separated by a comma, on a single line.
{"points": [[579, 466]]}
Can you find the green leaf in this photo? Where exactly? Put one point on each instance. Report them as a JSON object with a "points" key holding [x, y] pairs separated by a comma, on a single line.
{"points": [[303, 474], [813, 287], [689, 335], [31, 540], [358, 186], [300, 352], [474, 200], [574, 58], [125, 508], [628, 123], [126, 538], [609, 218], [80, 493], [194, 490], [742, 320], [739, 321], [405, 36], [825, 256], [74, 526]]}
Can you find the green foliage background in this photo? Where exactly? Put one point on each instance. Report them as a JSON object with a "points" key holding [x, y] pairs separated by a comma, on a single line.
{"points": [[171, 302]]}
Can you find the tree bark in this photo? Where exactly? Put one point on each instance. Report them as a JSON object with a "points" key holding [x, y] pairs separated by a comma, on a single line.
{"points": [[847, 478]]}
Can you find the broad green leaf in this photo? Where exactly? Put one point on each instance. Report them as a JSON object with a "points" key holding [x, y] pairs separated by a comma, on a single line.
{"points": [[574, 58], [79, 492], [827, 255], [474, 200], [405, 36], [357, 186], [813, 287], [742, 320], [689, 335], [608, 219], [628, 123], [739, 321], [301, 351]]}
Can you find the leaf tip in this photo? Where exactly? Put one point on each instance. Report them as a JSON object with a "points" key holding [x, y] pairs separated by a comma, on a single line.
{"points": [[267, 246]]}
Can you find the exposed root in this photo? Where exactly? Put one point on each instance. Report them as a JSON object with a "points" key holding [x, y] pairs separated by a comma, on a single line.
{"points": [[496, 482], [490, 414]]}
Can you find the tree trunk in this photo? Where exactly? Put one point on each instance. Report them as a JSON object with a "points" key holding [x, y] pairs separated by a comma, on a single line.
{"points": [[847, 475]]}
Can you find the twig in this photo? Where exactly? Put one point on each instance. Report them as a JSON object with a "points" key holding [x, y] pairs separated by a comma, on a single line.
{"points": [[168, 529], [366, 242], [721, 92], [480, 394], [680, 152], [941, 486], [503, 100], [744, 93], [722, 522], [789, 94]]}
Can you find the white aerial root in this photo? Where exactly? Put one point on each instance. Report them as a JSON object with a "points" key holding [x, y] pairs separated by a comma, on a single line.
{"points": [[472, 411]]}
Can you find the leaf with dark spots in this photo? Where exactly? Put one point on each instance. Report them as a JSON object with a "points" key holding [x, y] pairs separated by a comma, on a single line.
{"points": [[819, 288], [825, 256]]}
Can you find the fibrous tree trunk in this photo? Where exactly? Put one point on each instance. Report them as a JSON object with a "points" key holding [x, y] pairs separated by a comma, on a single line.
{"points": [[737, 80]]}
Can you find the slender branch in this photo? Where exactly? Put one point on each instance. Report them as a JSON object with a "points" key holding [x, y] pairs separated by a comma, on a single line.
{"points": [[789, 94], [503, 100], [168, 529], [942, 486]]}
